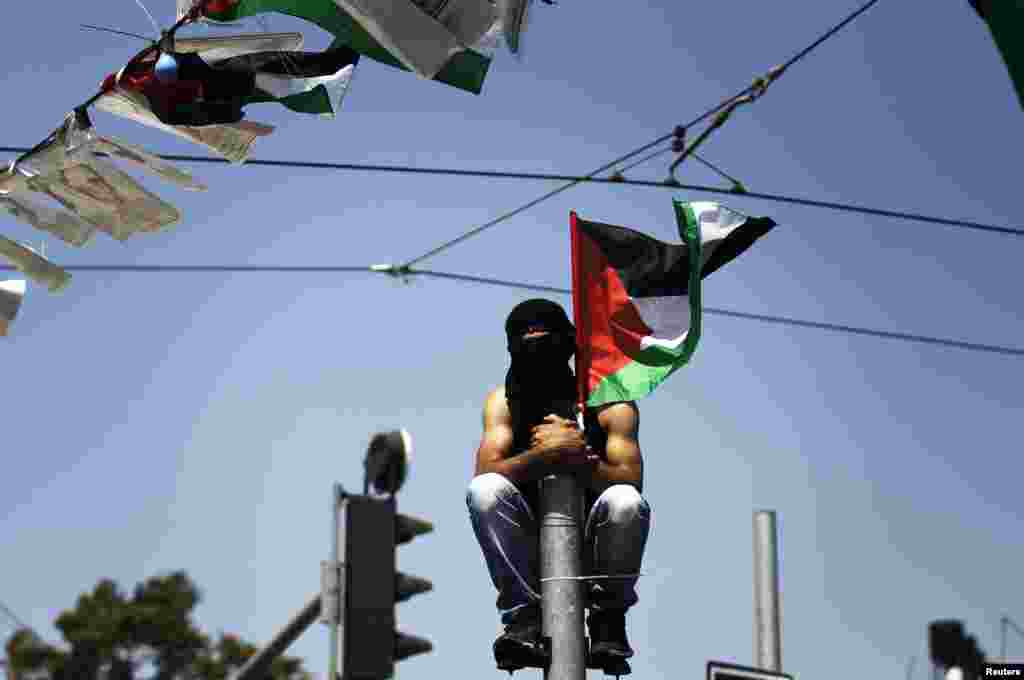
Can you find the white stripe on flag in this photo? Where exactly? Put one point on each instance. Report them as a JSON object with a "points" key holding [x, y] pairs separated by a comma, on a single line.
{"points": [[280, 87], [668, 318], [424, 45], [715, 222]]}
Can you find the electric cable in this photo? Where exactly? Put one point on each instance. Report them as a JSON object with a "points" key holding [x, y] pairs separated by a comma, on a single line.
{"points": [[758, 86], [402, 273], [497, 174]]}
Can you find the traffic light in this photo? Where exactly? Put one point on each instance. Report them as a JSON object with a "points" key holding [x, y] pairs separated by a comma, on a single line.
{"points": [[973, 660], [951, 648], [945, 642], [407, 585], [371, 644], [368, 584]]}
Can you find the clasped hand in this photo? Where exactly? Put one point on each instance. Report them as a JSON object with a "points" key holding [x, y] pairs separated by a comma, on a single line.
{"points": [[561, 443]]}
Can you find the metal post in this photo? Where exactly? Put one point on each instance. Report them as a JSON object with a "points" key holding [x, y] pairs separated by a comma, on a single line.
{"points": [[767, 615], [1009, 624], [257, 666], [561, 544], [1003, 621], [337, 494]]}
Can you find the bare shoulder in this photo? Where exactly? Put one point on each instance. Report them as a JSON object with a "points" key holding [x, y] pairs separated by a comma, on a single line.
{"points": [[496, 411], [620, 418]]}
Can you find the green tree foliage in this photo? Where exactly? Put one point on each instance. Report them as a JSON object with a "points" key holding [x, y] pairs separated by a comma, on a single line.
{"points": [[148, 636]]}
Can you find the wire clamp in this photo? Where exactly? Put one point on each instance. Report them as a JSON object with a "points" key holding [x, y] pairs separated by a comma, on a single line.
{"points": [[395, 271]]}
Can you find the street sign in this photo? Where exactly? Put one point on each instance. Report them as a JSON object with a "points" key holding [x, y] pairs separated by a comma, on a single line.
{"points": [[718, 670]]}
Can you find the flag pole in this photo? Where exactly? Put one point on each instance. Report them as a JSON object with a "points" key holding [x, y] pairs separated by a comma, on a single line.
{"points": [[561, 551], [577, 316]]}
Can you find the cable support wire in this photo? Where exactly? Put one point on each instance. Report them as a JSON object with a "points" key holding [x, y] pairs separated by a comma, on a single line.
{"points": [[115, 32], [737, 186], [726, 106], [765, 318], [406, 273], [497, 174], [212, 268]]}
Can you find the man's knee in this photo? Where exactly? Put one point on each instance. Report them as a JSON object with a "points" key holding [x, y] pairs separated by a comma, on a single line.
{"points": [[485, 491], [623, 504]]}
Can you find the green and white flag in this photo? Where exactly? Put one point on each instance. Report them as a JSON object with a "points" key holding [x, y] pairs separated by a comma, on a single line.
{"points": [[454, 47], [426, 34]]}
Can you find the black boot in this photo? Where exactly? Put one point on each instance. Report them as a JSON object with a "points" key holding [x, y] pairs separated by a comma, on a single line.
{"points": [[520, 645], [608, 636]]}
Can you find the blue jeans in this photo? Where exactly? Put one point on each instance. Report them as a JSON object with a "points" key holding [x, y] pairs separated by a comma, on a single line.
{"points": [[615, 536]]}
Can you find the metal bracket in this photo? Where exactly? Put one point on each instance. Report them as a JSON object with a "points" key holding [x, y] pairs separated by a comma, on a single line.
{"points": [[332, 592], [395, 271]]}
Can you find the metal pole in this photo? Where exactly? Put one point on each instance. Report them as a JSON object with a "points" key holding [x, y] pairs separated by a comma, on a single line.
{"points": [[1003, 622], [257, 666], [1009, 624], [332, 658], [767, 615], [561, 551]]}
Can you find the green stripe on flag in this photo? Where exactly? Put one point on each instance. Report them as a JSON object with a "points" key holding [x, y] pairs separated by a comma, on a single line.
{"points": [[315, 101], [652, 365], [466, 70]]}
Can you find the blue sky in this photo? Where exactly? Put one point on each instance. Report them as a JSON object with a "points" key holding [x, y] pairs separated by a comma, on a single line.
{"points": [[161, 421]]}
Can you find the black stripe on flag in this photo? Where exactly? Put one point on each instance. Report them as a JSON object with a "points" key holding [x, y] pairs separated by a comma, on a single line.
{"points": [[646, 266], [293, 64], [738, 240]]}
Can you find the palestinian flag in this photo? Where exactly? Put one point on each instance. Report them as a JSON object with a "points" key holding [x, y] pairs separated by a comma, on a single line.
{"points": [[424, 35], [433, 52], [1005, 19], [232, 141], [12, 292], [210, 87], [637, 301]]}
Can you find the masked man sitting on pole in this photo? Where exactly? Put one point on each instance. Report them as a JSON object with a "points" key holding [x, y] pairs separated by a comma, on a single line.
{"points": [[530, 432]]}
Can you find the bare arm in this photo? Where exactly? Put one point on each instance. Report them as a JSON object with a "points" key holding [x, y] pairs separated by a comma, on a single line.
{"points": [[559, 445], [624, 463]]}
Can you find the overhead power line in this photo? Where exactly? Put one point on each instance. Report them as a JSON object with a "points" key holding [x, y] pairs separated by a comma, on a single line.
{"points": [[766, 318], [498, 174], [116, 32], [723, 105], [402, 272], [203, 268]]}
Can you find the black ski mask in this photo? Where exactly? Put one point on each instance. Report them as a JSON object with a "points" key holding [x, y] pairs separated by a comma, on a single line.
{"points": [[540, 381]]}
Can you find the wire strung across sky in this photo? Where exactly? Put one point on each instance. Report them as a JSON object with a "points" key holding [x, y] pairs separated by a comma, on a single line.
{"points": [[404, 273], [406, 270], [498, 174], [758, 85]]}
